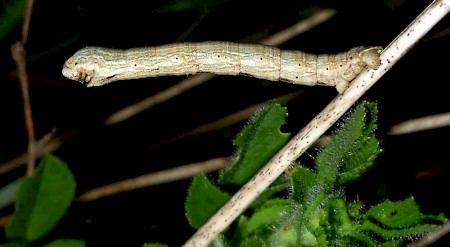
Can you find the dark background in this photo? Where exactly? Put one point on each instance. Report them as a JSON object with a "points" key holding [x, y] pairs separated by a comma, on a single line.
{"points": [[100, 154]]}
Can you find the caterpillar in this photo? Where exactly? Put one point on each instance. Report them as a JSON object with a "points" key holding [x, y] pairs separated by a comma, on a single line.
{"points": [[96, 66]]}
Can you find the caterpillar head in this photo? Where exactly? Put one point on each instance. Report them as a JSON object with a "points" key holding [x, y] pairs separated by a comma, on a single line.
{"points": [[87, 66], [371, 56]]}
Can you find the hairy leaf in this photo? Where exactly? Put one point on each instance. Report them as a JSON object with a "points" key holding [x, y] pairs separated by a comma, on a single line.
{"points": [[257, 143], [203, 200]]}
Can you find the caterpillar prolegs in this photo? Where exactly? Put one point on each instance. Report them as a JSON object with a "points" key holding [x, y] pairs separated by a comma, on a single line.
{"points": [[96, 66]]}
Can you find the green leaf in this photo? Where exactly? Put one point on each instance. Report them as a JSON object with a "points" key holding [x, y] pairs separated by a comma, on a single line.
{"points": [[347, 142], [155, 245], [411, 232], [360, 161], [12, 14], [257, 143], [282, 184], [203, 200], [267, 216], [399, 214], [253, 241], [304, 182], [42, 200], [66, 243]]}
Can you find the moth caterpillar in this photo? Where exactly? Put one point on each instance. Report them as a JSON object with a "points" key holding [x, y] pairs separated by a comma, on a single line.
{"points": [[96, 66]]}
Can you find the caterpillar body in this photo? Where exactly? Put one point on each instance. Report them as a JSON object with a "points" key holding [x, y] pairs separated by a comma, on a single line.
{"points": [[96, 66]]}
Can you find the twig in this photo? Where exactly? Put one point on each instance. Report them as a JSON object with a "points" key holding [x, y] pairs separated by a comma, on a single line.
{"points": [[26, 21], [46, 144], [18, 54], [195, 80], [161, 177], [419, 124], [225, 121], [311, 132]]}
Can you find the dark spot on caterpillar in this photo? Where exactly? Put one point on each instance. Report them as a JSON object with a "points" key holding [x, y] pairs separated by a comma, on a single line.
{"points": [[218, 55], [176, 58], [326, 68], [340, 65], [296, 77], [299, 64], [392, 213], [135, 65], [351, 57], [260, 58]]}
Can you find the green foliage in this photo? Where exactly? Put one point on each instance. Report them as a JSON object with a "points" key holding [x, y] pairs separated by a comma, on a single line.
{"points": [[257, 143], [203, 200], [317, 212], [155, 245], [66, 243], [42, 200], [12, 14]]}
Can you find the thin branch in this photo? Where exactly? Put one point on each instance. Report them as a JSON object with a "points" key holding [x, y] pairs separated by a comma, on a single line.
{"points": [[161, 177], [192, 81], [419, 124], [311, 132], [46, 144], [26, 21], [18, 54], [225, 121]]}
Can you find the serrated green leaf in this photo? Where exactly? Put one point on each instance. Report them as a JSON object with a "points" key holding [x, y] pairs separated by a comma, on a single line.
{"points": [[155, 245], [66, 243], [12, 14], [282, 184], [338, 216], [42, 200], [268, 215], [253, 241], [398, 214], [347, 141], [257, 143], [304, 182], [410, 232], [203, 200], [360, 161], [287, 233]]}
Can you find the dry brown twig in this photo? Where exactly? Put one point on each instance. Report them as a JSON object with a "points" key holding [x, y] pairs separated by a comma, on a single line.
{"points": [[420, 124], [18, 54], [161, 177]]}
